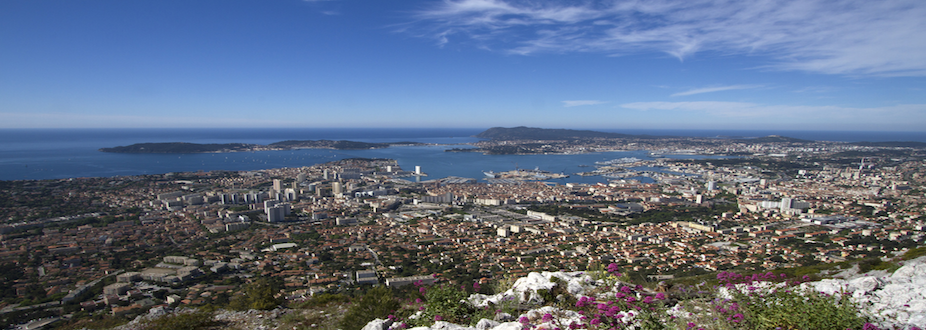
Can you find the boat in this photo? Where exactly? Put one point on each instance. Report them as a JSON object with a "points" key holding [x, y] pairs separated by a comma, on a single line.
{"points": [[490, 174]]}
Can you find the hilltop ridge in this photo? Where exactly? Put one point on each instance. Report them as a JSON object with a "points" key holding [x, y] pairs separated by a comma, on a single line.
{"points": [[534, 133]]}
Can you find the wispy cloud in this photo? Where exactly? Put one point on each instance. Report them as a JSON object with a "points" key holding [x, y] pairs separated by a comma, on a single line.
{"points": [[714, 89], [582, 102], [858, 37]]}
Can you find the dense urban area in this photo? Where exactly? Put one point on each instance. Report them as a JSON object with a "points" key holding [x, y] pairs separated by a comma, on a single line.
{"points": [[83, 250]]}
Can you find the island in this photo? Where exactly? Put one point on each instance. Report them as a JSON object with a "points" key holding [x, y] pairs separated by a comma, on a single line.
{"points": [[190, 148]]}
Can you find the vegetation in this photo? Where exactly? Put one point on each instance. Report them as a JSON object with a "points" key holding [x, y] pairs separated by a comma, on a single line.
{"points": [[197, 319], [760, 301], [260, 294], [378, 302]]}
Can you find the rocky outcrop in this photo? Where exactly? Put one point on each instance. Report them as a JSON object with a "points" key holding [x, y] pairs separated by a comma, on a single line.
{"points": [[896, 301]]}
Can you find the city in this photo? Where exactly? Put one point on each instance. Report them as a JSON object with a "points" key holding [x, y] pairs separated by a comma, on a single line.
{"points": [[117, 247]]}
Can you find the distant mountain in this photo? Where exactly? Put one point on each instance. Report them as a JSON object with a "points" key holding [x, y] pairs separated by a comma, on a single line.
{"points": [[328, 144], [532, 133], [893, 144], [776, 138], [178, 148]]}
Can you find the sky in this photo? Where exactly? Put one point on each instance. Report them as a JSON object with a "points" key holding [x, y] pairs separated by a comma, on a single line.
{"points": [[661, 64]]}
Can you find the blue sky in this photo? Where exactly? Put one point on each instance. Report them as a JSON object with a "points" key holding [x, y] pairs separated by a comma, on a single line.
{"points": [[664, 64]]}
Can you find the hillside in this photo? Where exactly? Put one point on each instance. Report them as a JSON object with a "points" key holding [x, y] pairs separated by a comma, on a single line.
{"points": [[599, 300], [550, 300]]}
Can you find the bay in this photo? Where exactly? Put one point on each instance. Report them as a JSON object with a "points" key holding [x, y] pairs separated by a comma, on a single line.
{"points": [[35, 154]]}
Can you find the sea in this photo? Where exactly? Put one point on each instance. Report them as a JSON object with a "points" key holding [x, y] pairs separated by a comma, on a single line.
{"points": [[39, 154]]}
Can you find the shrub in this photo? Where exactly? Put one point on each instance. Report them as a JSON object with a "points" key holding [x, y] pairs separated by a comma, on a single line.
{"points": [[789, 307], [260, 294], [182, 321], [446, 302], [769, 301], [914, 253], [378, 302]]}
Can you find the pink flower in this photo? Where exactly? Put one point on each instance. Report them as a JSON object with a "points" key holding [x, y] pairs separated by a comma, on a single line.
{"points": [[547, 317], [738, 317], [869, 326], [524, 320], [438, 318], [661, 296], [613, 268]]}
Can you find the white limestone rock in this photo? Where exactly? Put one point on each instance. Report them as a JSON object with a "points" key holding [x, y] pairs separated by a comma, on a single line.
{"points": [[486, 324], [442, 325], [525, 289], [378, 324], [508, 326]]}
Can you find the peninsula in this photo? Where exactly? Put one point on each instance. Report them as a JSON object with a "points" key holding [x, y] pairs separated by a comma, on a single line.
{"points": [[190, 148]]}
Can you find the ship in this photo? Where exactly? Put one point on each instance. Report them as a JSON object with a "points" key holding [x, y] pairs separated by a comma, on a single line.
{"points": [[490, 174]]}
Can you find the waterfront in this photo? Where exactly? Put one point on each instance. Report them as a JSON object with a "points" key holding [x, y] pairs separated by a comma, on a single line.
{"points": [[58, 154]]}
